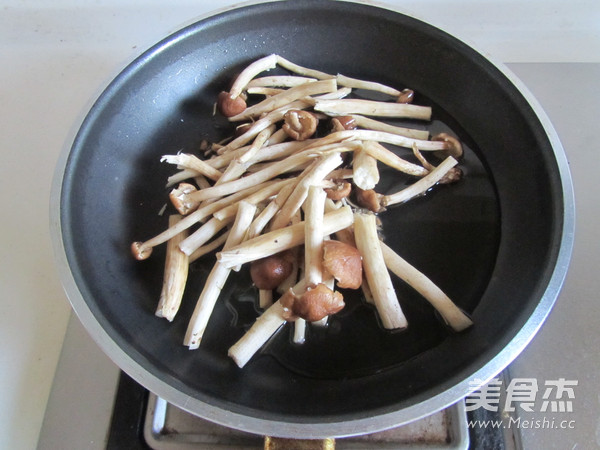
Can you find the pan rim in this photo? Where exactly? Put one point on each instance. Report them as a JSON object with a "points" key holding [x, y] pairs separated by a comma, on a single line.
{"points": [[347, 427]]}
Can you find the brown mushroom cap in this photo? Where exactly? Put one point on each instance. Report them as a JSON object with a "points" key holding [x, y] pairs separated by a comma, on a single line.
{"points": [[315, 304], [139, 251], [341, 190], [342, 123], [454, 147], [344, 263], [269, 272], [229, 106], [368, 199], [179, 200], [406, 96], [299, 125]]}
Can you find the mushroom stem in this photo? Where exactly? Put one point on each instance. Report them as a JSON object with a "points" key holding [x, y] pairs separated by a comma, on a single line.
{"points": [[266, 121], [280, 81], [355, 83], [257, 177], [216, 280], [384, 295], [372, 108], [312, 175], [365, 173], [282, 239], [299, 331], [314, 208], [390, 159], [277, 101], [421, 186], [376, 125], [175, 275], [194, 163], [265, 216], [453, 316], [265, 298], [142, 250], [251, 71], [180, 176], [203, 234], [295, 68], [379, 136], [210, 247], [256, 197], [265, 326], [268, 152]]}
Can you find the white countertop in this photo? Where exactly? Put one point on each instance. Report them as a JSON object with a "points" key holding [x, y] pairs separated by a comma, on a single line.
{"points": [[57, 56]]}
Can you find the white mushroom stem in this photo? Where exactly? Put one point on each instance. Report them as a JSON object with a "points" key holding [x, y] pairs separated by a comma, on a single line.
{"points": [[299, 331], [268, 152], [265, 298], [373, 108], [257, 177], [203, 234], [421, 186], [365, 173], [384, 295], [180, 176], [293, 161], [280, 81], [210, 247], [453, 316], [197, 216], [380, 136], [355, 83], [390, 159], [257, 197], [216, 280], [340, 93], [201, 181], [312, 175], [297, 263], [261, 221], [276, 116], [266, 91], [283, 98], [314, 209], [300, 70], [266, 121], [265, 326], [238, 166], [186, 161], [251, 71], [276, 138], [376, 125], [282, 239], [175, 275]]}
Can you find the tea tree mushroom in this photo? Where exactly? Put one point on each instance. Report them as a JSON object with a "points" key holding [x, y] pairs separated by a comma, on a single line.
{"points": [[421, 186], [286, 97], [453, 316], [216, 280], [281, 239], [384, 295], [175, 275], [299, 125], [372, 108]]}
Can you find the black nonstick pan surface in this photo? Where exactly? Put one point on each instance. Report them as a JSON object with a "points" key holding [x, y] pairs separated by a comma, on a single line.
{"points": [[498, 242]]}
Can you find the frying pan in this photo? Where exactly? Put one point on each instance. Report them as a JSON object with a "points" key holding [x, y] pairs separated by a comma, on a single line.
{"points": [[498, 242]]}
